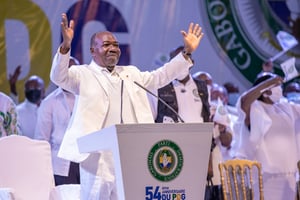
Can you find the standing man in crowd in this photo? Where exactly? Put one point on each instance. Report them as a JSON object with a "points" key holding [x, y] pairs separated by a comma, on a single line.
{"points": [[104, 93], [189, 98], [27, 110], [53, 117], [182, 91], [34, 90]]}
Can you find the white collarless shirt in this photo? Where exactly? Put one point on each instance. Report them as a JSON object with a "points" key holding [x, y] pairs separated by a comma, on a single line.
{"points": [[120, 108], [189, 101], [27, 114]]}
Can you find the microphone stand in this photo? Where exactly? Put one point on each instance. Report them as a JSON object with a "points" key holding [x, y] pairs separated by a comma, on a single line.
{"points": [[161, 100]]}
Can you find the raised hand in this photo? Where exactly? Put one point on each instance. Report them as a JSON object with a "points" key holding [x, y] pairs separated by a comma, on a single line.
{"points": [[13, 78], [67, 30], [275, 81], [192, 38]]}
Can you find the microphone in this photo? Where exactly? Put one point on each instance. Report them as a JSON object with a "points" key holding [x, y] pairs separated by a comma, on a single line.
{"points": [[161, 100], [121, 112]]}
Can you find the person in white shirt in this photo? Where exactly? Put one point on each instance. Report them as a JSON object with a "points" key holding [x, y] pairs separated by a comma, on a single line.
{"points": [[220, 92], [183, 90], [269, 131], [27, 110], [222, 132], [54, 114], [189, 97], [106, 95], [294, 8]]}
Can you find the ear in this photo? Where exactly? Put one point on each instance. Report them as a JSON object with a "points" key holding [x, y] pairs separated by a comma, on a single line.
{"points": [[267, 93]]}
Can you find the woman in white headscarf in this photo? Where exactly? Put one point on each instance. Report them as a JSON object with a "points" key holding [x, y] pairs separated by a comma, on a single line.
{"points": [[267, 125]]}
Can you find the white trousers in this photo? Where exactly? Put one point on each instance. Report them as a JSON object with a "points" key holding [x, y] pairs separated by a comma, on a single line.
{"points": [[279, 187], [97, 177]]}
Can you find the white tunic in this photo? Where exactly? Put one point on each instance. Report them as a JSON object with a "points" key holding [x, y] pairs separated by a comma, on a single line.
{"points": [[54, 114], [273, 140], [27, 114]]}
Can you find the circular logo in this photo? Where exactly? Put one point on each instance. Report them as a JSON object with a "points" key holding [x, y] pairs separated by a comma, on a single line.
{"points": [[245, 33], [165, 160]]}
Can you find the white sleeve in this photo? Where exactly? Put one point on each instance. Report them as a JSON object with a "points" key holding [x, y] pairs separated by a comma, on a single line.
{"points": [[44, 124]]}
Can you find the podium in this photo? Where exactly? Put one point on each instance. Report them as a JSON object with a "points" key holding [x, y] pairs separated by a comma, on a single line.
{"points": [[156, 161]]}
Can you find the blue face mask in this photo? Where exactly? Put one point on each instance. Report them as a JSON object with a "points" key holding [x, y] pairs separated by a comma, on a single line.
{"points": [[232, 98], [293, 97]]}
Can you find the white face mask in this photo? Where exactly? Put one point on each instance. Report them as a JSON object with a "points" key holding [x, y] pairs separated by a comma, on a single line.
{"points": [[232, 98], [276, 94], [293, 97]]}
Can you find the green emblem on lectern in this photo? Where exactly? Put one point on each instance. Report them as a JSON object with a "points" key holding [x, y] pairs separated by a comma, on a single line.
{"points": [[165, 160]]}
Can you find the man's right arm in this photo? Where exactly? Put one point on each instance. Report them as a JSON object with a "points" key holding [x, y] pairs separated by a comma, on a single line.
{"points": [[60, 74], [67, 31]]}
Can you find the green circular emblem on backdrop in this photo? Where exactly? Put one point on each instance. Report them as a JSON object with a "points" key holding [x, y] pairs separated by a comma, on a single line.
{"points": [[244, 33], [165, 160]]}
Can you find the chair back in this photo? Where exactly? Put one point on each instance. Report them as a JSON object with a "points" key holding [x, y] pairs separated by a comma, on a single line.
{"points": [[25, 167], [241, 179]]}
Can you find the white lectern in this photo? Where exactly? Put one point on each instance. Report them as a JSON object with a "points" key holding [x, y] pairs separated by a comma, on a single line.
{"points": [[156, 161]]}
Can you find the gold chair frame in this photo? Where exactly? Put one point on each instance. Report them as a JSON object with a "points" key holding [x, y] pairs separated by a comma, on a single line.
{"points": [[236, 174]]}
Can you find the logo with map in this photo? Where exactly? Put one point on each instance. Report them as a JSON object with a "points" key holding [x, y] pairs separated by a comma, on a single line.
{"points": [[244, 32], [165, 160]]}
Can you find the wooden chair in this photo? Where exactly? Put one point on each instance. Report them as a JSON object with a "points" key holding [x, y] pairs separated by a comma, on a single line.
{"points": [[241, 179]]}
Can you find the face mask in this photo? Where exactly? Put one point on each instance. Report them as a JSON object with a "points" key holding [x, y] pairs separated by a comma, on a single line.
{"points": [[293, 96], [214, 103], [232, 98], [33, 95], [276, 94]]}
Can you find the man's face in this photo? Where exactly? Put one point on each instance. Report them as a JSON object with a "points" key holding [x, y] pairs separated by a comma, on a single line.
{"points": [[106, 51], [218, 92], [34, 89]]}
